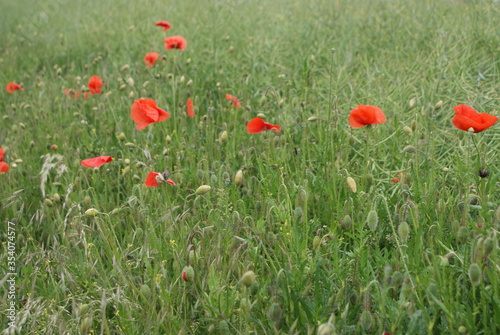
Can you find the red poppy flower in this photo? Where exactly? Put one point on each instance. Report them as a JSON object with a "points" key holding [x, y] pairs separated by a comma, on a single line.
{"points": [[151, 58], [166, 26], [154, 178], [144, 112], [234, 100], [2, 154], [96, 162], [12, 87], [190, 107], [4, 167], [257, 125], [95, 84], [175, 42], [364, 115], [466, 117]]}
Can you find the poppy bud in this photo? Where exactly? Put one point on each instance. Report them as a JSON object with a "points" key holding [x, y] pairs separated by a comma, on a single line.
{"points": [[346, 223], [83, 309], [122, 87], [56, 197], [126, 161], [47, 203], [489, 245], [438, 105], [404, 231], [261, 115], [414, 125], [312, 119], [412, 102], [85, 326], [274, 312], [146, 291], [224, 328], [483, 173], [126, 170], [462, 235], [125, 67], [248, 278], [297, 213], [231, 49], [397, 279], [188, 273], [203, 189], [462, 330], [181, 79], [131, 94], [316, 241], [238, 178], [475, 274], [193, 256], [326, 329], [223, 136], [410, 149], [366, 320], [245, 305], [189, 83], [130, 81], [352, 184], [91, 212], [54, 147], [121, 136], [406, 289], [407, 130], [372, 219], [281, 103]]}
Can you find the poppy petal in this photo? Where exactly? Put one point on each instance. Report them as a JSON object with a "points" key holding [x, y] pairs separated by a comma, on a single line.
{"points": [[151, 58], [12, 87], [4, 167], [190, 108], [151, 180], [466, 117], [255, 126], [96, 162], [170, 181], [272, 127], [2, 154]]}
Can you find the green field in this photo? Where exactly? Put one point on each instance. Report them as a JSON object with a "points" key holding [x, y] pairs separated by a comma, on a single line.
{"points": [[412, 250]]}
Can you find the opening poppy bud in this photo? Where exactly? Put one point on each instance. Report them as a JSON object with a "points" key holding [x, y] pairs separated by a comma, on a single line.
{"points": [[407, 130], [248, 278], [188, 273], [412, 102], [366, 321], [489, 245], [326, 329], [85, 326], [145, 290], [483, 173], [238, 178], [203, 189], [223, 136], [352, 184], [372, 219], [475, 274], [91, 212], [438, 105], [404, 231], [346, 222]]}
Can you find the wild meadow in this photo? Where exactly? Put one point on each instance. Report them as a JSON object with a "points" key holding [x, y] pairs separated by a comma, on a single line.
{"points": [[365, 199]]}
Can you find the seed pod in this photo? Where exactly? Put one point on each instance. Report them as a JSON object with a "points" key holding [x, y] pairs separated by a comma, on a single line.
{"points": [[188, 273], [203, 189], [366, 321], [404, 231], [351, 183], [146, 291], [248, 278], [475, 274]]}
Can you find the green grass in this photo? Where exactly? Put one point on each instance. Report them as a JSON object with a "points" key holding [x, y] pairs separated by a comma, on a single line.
{"points": [[119, 272]]}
